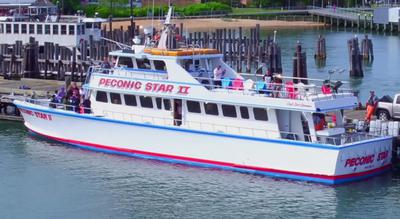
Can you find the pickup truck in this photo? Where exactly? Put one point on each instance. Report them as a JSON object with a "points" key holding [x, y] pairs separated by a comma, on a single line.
{"points": [[388, 108]]}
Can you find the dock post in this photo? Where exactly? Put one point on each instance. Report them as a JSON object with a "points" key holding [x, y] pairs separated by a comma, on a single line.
{"points": [[320, 51], [355, 58], [367, 49], [299, 65]]}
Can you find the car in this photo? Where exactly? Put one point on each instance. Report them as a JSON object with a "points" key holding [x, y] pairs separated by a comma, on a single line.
{"points": [[388, 108]]}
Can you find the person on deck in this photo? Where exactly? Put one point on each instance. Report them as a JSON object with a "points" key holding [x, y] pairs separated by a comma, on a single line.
{"points": [[218, 74], [371, 105], [319, 121]]}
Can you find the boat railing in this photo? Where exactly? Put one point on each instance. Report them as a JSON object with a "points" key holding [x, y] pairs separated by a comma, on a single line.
{"points": [[339, 140], [286, 90], [61, 106], [130, 73]]}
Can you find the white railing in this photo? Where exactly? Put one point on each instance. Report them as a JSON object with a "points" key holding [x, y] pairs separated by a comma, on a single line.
{"points": [[346, 138]]}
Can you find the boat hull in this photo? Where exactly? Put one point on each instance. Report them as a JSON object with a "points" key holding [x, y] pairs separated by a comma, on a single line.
{"points": [[271, 157]]}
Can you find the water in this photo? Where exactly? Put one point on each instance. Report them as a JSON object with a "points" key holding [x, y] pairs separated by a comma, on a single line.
{"points": [[42, 179], [382, 75]]}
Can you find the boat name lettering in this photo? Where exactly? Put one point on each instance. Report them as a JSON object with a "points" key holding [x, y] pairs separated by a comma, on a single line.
{"points": [[358, 161], [149, 86], [37, 114], [383, 155]]}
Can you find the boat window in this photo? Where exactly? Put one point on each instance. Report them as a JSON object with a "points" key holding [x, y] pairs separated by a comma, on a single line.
{"points": [[244, 112], [159, 65], [146, 102], [16, 28], [55, 29], [63, 29], [229, 111], [78, 30], [23, 28], [130, 100], [193, 106], [125, 62], [101, 96], [1, 28], [143, 63], [71, 29], [39, 29], [8, 28], [211, 109], [83, 29], [167, 104], [31, 29], [89, 25], [260, 114], [158, 103], [115, 98], [47, 29], [97, 25]]}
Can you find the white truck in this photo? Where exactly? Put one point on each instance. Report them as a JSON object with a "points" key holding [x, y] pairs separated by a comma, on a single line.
{"points": [[388, 108]]}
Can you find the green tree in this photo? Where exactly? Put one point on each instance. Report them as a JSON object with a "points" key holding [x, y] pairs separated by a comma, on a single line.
{"points": [[68, 6]]}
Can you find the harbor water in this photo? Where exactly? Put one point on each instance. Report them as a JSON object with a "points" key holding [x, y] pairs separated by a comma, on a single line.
{"points": [[44, 179]]}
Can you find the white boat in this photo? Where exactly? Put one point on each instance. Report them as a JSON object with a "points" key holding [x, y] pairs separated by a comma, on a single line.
{"points": [[69, 31], [150, 106]]}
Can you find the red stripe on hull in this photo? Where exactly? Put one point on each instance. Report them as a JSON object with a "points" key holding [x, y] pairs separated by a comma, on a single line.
{"points": [[325, 177]]}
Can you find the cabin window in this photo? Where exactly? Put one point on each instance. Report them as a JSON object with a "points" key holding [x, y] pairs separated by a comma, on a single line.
{"points": [[115, 98], [97, 25], [78, 30], [8, 28], [130, 100], [260, 114], [63, 29], [88, 25], [211, 109], [71, 29], [146, 102], [125, 62], [101, 96], [55, 29], [31, 29], [229, 111], [16, 28], [193, 106], [23, 28], [143, 63], [167, 104], [1, 28], [244, 112], [159, 65], [83, 29], [47, 29], [39, 29], [159, 102]]}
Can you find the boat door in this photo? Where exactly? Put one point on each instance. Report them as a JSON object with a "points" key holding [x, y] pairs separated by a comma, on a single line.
{"points": [[177, 112]]}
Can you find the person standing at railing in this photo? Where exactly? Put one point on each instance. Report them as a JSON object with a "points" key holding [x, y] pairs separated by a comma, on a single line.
{"points": [[105, 65], [277, 84], [74, 101], [218, 74], [268, 78], [372, 103]]}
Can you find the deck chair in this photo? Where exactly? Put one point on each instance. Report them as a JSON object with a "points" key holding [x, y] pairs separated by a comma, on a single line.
{"points": [[237, 84], [226, 83], [291, 92]]}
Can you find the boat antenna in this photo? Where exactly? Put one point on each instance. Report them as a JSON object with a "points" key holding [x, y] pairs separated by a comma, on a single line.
{"points": [[152, 20]]}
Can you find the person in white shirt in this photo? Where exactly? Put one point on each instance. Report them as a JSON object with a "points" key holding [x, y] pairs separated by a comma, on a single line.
{"points": [[218, 74]]}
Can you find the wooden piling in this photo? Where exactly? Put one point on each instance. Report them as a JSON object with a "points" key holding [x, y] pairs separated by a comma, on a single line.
{"points": [[299, 65], [355, 58], [367, 50], [320, 51]]}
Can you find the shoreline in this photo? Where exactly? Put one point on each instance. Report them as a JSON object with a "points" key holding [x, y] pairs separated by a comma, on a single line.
{"points": [[217, 23]]}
